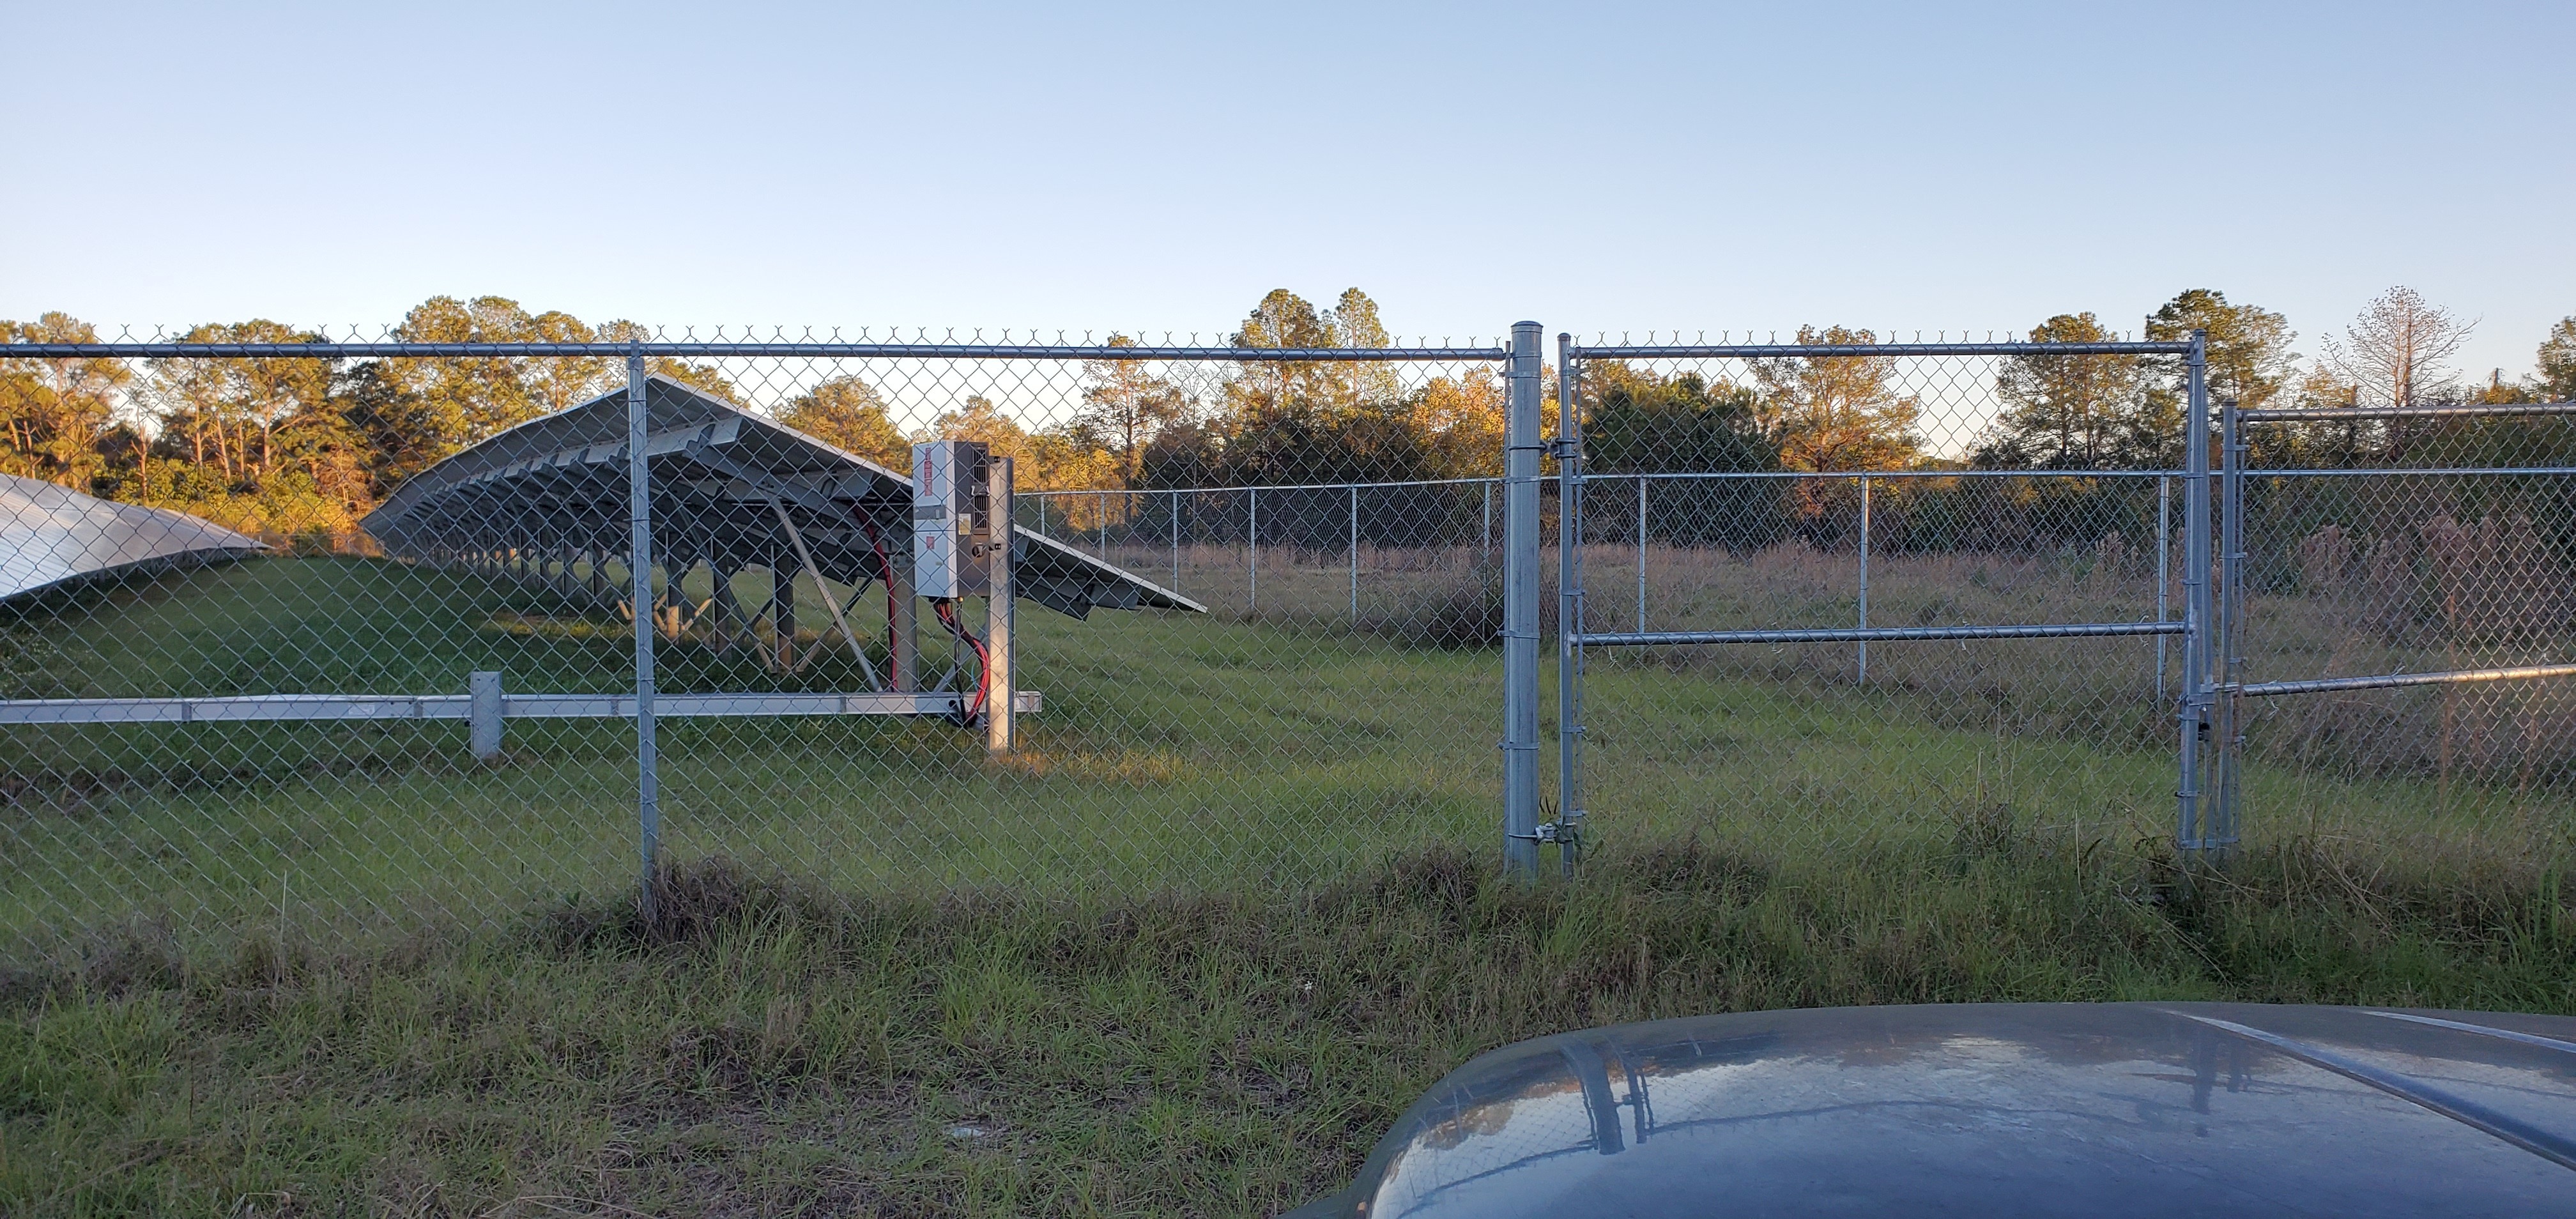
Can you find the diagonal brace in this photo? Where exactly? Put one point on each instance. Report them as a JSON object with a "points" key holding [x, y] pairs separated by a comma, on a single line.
{"points": [[824, 591]]}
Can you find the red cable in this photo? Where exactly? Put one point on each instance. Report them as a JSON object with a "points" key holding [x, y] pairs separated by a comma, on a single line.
{"points": [[947, 611], [885, 571]]}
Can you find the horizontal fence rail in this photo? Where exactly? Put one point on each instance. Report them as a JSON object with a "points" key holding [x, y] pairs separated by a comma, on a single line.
{"points": [[828, 350], [1093, 493], [1872, 475], [1755, 351], [2412, 472], [1873, 634], [2391, 681], [285, 707], [1626, 478], [2334, 414]]}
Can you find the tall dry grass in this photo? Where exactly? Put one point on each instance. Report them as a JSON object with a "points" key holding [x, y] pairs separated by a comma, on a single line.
{"points": [[2443, 593], [769, 1047]]}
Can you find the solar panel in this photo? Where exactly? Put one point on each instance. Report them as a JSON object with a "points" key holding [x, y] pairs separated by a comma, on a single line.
{"points": [[721, 479], [52, 536]]}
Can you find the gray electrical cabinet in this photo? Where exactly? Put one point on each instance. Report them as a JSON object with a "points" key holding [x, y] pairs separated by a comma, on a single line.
{"points": [[953, 530]]}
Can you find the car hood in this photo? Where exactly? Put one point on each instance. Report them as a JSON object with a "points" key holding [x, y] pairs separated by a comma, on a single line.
{"points": [[1998, 1109]]}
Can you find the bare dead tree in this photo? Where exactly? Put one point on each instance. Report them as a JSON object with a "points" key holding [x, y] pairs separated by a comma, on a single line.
{"points": [[2396, 353]]}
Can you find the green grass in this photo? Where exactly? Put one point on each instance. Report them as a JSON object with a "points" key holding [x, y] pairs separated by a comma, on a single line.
{"points": [[772, 1049], [1172, 749], [1226, 913], [1182, 753]]}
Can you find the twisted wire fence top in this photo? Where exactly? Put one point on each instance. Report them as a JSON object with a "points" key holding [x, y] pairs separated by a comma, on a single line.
{"points": [[164, 344]]}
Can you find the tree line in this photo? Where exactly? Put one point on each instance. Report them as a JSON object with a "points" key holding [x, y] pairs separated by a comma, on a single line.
{"points": [[1862, 413], [288, 446]]}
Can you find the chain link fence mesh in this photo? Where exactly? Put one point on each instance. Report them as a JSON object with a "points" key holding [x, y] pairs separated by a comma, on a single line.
{"points": [[1826, 493], [1883, 492], [1321, 690], [1264, 628], [2396, 548]]}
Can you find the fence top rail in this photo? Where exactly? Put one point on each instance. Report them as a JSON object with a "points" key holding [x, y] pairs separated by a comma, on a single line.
{"points": [[1623, 476], [1628, 476], [831, 350], [2332, 414], [2398, 471], [1094, 492], [1755, 351]]}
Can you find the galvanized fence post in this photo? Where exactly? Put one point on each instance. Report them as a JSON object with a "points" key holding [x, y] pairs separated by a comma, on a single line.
{"points": [[483, 693], [639, 521], [1641, 552], [1252, 551], [903, 626], [2193, 716], [2221, 829], [1521, 448], [1355, 556], [1001, 644], [1569, 608], [1864, 578], [2164, 572]]}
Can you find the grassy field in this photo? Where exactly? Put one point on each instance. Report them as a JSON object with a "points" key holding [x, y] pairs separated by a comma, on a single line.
{"points": [[1178, 753], [771, 1049], [1181, 753], [1187, 954]]}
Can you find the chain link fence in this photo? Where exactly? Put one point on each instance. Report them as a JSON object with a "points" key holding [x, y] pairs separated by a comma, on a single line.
{"points": [[1838, 591], [1269, 604], [1257, 595], [2400, 593]]}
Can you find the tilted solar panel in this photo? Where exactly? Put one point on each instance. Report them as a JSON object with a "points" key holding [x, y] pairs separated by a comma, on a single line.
{"points": [[721, 477], [52, 536]]}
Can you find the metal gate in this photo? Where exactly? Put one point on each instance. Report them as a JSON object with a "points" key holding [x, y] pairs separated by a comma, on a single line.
{"points": [[2394, 607], [1671, 463]]}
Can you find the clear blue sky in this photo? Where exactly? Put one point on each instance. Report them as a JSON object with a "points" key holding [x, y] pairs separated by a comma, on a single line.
{"points": [[1107, 166]]}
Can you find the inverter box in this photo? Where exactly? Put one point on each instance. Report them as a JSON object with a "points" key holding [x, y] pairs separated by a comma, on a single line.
{"points": [[953, 531]]}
